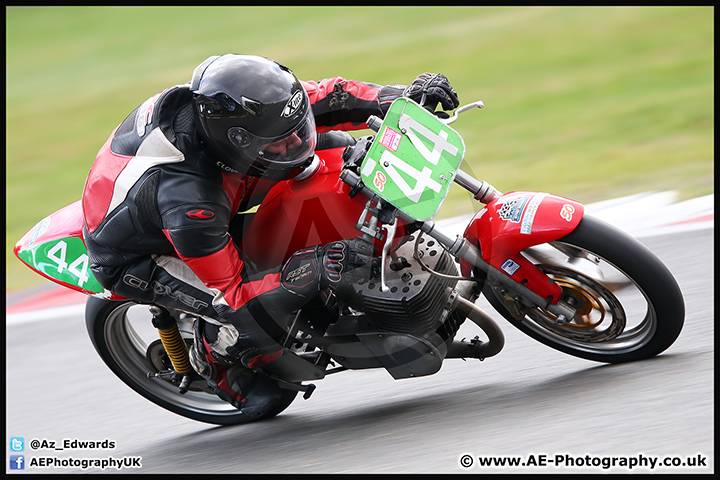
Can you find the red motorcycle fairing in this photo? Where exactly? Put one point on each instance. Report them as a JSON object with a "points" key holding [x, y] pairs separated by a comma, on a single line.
{"points": [[297, 214], [516, 221]]}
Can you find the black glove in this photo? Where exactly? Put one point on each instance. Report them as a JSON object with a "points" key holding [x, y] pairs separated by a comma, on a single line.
{"points": [[436, 88], [347, 261], [338, 263]]}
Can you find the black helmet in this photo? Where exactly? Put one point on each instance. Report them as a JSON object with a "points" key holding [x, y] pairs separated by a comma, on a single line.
{"points": [[254, 115]]}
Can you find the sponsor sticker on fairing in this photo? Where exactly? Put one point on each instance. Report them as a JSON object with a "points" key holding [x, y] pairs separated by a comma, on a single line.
{"points": [[529, 216], [567, 212], [38, 230], [512, 210], [509, 267]]}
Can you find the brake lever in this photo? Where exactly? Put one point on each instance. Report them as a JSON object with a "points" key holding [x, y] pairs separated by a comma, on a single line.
{"points": [[389, 237]]}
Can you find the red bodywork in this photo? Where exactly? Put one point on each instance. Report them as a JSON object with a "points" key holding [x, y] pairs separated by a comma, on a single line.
{"points": [[299, 214], [516, 221]]}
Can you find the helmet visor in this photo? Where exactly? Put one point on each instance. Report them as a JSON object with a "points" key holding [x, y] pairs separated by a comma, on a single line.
{"points": [[288, 149]]}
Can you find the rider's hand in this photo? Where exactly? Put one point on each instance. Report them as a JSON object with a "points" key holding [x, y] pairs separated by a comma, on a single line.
{"points": [[338, 263], [436, 88], [346, 262]]}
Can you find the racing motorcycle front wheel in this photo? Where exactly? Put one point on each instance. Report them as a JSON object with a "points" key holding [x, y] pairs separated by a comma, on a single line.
{"points": [[629, 307], [124, 337]]}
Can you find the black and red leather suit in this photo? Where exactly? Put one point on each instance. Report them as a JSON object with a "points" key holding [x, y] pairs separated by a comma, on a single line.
{"points": [[158, 213]]}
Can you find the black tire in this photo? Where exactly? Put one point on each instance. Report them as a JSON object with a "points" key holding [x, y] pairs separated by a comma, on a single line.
{"points": [[627, 270], [121, 333]]}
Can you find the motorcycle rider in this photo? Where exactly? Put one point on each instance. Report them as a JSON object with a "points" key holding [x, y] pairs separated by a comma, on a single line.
{"points": [[161, 196]]}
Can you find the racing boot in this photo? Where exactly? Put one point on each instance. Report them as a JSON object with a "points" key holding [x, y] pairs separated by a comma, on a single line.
{"points": [[253, 393]]}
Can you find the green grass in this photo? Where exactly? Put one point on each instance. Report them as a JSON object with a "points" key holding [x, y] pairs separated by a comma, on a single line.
{"points": [[590, 103]]}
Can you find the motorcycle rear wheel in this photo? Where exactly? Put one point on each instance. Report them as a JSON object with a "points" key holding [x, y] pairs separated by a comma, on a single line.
{"points": [[630, 306], [122, 333]]}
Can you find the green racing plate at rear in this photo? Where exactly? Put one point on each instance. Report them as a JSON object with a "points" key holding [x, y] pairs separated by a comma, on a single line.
{"points": [[64, 260], [413, 160]]}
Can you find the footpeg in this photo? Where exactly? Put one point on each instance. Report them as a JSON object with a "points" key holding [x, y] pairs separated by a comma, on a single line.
{"points": [[298, 387], [186, 381]]}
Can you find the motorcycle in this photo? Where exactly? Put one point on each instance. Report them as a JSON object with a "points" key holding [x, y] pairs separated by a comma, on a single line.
{"points": [[564, 278]]}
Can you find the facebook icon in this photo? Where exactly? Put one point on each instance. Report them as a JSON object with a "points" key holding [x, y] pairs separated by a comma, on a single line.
{"points": [[17, 462]]}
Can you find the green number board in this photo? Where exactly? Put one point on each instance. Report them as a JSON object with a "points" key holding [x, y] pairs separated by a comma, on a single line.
{"points": [[413, 160], [65, 260]]}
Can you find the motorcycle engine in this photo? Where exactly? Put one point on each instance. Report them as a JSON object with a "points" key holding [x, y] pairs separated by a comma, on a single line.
{"points": [[415, 301]]}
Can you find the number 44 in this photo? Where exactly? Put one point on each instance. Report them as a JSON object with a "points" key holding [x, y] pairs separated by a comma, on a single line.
{"points": [[413, 129], [77, 268]]}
